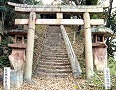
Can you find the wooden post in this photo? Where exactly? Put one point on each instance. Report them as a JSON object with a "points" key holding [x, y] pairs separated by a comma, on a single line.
{"points": [[30, 46], [88, 45]]}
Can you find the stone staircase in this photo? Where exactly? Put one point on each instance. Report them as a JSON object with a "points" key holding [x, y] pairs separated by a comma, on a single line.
{"points": [[54, 60]]}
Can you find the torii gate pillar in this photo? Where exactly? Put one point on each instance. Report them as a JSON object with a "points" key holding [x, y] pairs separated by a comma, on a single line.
{"points": [[30, 46], [88, 45]]}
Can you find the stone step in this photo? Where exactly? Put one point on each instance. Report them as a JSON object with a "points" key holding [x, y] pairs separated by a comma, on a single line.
{"points": [[55, 32], [57, 64], [52, 75], [54, 71], [52, 57], [54, 38], [54, 47], [52, 53], [52, 44], [55, 61], [55, 51], [54, 66], [55, 56], [54, 35]]}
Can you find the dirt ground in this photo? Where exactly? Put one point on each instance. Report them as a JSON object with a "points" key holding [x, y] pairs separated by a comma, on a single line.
{"points": [[49, 83]]}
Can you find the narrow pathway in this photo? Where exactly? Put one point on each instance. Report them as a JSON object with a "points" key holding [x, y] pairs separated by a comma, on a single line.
{"points": [[54, 61]]}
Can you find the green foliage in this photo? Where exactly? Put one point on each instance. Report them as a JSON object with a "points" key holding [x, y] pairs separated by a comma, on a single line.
{"points": [[4, 61], [112, 66], [113, 22], [4, 52], [16, 1], [97, 81], [91, 2], [3, 9], [98, 16], [10, 14], [109, 39]]}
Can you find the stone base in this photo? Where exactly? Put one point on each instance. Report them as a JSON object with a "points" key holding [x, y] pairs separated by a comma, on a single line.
{"points": [[16, 78]]}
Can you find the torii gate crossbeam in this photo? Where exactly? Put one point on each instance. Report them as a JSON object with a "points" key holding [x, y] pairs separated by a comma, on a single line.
{"points": [[60, 21]]}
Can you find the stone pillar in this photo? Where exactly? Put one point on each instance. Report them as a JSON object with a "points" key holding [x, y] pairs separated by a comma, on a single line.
{"points": [[59, 15], [88, 45], [30, 47]]}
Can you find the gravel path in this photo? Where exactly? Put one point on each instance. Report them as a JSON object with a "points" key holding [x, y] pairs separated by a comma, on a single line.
{"points": [[43, 83]]}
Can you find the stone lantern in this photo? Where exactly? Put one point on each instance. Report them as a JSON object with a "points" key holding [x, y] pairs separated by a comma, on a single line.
{"points": [[17, 57], [99, 46]]}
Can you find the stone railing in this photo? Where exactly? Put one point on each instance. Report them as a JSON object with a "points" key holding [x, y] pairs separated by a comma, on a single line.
{"points": [[76, 69]]}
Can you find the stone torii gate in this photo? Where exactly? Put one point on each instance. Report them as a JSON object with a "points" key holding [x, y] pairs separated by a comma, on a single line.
{"points": [[59, 10]]}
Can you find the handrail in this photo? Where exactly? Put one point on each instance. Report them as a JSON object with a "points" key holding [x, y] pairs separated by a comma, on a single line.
{"points": [[76, 69]]}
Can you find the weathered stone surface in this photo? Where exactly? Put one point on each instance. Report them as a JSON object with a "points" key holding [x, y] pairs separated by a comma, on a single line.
{"points": [[102, 30], [16, 78], [17, 59], [17, 32], [60, 21], [56, 8], [100, 57], [88, 45], [17, 45], [30, 46]]}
